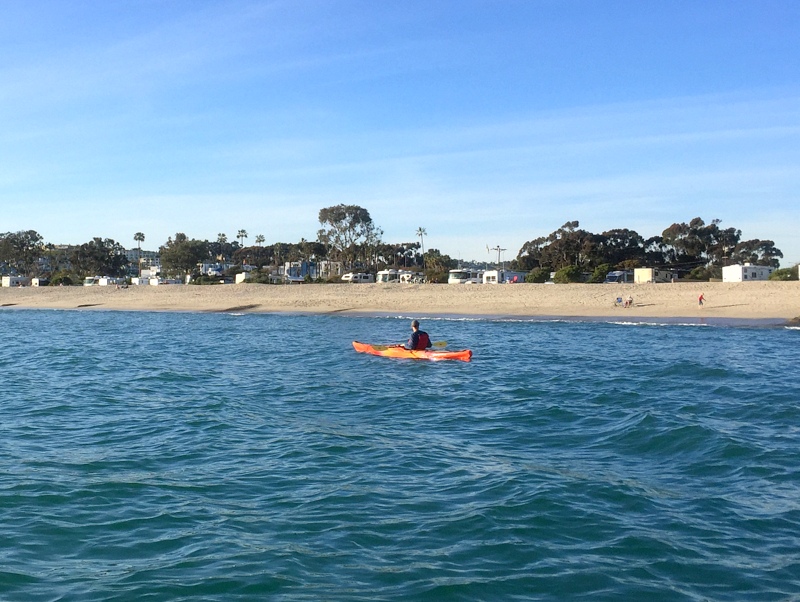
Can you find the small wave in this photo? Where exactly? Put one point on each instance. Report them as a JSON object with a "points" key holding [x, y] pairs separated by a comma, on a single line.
{"points": [[658, 324], [144, 458]]}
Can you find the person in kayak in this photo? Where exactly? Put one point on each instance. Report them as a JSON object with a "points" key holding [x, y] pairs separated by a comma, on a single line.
{"points": [[419, 338]]}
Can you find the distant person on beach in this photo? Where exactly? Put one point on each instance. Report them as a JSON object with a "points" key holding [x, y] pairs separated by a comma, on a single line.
{"points": [[700, 299], [419, 338], [629, 301]]}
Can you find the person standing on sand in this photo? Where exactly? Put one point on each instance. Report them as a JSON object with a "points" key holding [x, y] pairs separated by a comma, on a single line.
{"points": [[700, 300], [419, 338]]}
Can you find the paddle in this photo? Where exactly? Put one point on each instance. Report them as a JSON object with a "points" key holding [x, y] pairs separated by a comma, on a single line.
{"points": [[385, 347]]}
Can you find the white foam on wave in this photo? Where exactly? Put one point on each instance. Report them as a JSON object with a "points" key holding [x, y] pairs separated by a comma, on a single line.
{"points": [[644, 321], [658, 324]]}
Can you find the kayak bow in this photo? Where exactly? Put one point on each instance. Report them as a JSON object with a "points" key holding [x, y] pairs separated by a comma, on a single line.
{"points": [[398, 351]]}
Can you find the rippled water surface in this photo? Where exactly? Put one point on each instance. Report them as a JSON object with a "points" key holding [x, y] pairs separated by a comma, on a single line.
{"points": [[177, 456]]}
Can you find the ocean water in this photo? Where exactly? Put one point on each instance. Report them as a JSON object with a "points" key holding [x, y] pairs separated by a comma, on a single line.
{"points": [[190, 456]]}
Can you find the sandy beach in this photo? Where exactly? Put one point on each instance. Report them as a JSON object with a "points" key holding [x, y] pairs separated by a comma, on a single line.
{"points": [[746, 300]]}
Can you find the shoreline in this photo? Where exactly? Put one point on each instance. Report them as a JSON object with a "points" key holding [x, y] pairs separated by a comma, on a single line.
{"points": [[738, 301]]}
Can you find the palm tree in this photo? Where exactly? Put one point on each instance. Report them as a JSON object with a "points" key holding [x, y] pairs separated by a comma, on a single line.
{"points": [[221, 246], [139, 238], [260, 239], [242, 234], [421, 232]]}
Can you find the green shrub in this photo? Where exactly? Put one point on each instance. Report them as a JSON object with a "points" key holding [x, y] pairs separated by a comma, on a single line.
{"points": [[259, 278], [202, 280], [435, 275], [600, 273], [784, 274], [704, 273], [538, 276], [569, 274], [62, 279]]}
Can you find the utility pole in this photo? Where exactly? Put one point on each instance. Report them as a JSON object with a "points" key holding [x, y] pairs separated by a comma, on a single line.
{"points": [[498, 249]]}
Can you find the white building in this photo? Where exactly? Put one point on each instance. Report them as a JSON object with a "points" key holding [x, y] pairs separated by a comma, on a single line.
{"points": [[502, 277], [745, 273]]}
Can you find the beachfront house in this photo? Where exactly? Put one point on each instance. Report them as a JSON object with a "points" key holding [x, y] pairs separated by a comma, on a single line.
{"points": [[215, 268], [298, 271], [330, 269], [745, 273]]}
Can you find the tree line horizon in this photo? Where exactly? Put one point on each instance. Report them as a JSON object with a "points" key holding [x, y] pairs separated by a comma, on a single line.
{"points": [[348, 234]]}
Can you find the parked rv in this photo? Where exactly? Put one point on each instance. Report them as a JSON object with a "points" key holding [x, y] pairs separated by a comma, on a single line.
{"points": [[465, 276], [408, 277], [388, 276], [14, 281], [644, 275], [401, 276], [619, 277], [103, 281], [358, 278]]}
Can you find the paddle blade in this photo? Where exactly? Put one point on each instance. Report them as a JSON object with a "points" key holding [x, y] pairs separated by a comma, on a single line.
{"points": [[440, 344]]}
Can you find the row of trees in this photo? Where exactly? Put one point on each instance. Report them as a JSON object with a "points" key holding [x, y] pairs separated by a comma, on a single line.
{"points": [[697, 249], [25, 253], [348, 234]]}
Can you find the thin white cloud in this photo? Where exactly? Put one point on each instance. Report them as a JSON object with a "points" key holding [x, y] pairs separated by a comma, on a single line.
{"points": [[248, 108]]}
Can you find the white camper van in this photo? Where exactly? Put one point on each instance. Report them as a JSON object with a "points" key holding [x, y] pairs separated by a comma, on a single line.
{"points": [[465, 276], [643, 275], [388, 276], [619, 277], [358, 278]]}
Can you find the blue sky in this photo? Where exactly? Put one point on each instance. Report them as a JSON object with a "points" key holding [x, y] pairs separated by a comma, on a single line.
{"points": [[488, 123]]}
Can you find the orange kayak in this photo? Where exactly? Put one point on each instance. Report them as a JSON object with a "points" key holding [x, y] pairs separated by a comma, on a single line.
{"points": [[412, 354]]}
